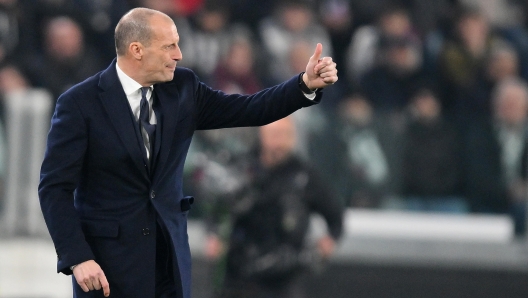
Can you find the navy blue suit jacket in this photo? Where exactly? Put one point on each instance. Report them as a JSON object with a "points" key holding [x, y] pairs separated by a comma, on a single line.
{"points": [[97, 196]]}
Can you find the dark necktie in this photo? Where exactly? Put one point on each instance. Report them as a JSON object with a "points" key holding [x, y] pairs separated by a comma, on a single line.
{"points": [[144, 113]]}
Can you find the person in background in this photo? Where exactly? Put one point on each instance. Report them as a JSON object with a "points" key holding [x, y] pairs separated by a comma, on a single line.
{"points": [[366, 47], [494, 154], [391, 84], [502, 62], [267, 252], [462, 59], [67, 59], [212, 37], [366, 154], [431, 159], [236, 72]]}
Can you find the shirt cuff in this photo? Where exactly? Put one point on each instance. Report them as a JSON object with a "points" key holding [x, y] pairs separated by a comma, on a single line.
{"points": [[310, 96]]}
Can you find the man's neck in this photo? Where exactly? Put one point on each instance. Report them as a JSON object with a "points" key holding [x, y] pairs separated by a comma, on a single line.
{"points": [[130, 70]]}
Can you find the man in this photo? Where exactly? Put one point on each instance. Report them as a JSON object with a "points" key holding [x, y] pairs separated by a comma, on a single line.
{"points": [[270, 215], [111, 179]]}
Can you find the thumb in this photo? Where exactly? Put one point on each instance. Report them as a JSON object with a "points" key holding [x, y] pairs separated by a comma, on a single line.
{"points": [[317, 54]]}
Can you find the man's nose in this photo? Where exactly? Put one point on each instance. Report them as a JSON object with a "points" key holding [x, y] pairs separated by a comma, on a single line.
{"points": [[177, 54]]}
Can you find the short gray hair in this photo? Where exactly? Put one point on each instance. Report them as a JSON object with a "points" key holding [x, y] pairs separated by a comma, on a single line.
{"points": [[134, 26]]}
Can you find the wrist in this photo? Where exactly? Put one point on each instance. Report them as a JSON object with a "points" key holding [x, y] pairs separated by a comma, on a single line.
{"points": [[72, 267], [303, 79]]}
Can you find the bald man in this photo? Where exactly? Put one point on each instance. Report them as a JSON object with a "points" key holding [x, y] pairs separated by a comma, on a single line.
{"points": [[270, 219], [111, 179]]}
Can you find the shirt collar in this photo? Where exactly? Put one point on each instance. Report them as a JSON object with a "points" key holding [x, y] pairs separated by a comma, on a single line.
{"points": [[130, 86]]}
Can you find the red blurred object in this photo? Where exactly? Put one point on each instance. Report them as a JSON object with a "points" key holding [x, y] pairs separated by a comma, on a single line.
{"points": [[188, 7]]}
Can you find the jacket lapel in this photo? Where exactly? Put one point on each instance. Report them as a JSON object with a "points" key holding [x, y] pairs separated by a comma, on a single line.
{"points": [[118, 109], [168, 100]]}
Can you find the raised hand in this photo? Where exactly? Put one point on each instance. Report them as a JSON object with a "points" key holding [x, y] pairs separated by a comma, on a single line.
{"points": [[320, 72]]}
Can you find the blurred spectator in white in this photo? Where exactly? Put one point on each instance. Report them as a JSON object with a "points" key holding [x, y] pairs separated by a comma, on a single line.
{"points": [[364, 52], [365, 153], [27, 113], [431, 159], [293, 21], [494, 153], [67, 59], [236, 72]]}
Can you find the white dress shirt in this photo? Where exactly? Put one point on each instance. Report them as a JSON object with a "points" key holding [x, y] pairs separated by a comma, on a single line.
{"points": [[133, 93]]}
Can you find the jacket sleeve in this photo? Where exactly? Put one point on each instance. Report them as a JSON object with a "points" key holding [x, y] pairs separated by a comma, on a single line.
{"points": [[216, 109], [60, 172]]}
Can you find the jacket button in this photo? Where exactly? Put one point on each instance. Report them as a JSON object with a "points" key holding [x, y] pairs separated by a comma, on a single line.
{"points": [[152, 194], [146, 231]]}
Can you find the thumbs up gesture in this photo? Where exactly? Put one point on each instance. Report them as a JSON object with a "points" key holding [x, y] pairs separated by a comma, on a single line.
{"points": [[320, 72]]}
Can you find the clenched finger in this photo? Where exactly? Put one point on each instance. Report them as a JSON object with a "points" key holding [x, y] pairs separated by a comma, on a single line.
{"points": [[95, 283], [331, 68], [88, 284], [322, 64], [83, 286]]}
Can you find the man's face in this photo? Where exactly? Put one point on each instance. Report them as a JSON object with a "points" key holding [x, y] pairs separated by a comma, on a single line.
{"points": [[277, 141], [161, 56]]}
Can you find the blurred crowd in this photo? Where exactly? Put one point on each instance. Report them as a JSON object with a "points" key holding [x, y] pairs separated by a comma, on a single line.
{"points": [[429, 114]]}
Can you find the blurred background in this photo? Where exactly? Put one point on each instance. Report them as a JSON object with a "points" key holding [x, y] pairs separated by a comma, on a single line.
{"points": [[423, 140]]}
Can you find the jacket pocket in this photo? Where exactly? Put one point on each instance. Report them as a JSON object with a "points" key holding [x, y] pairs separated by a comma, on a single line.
{"points": [[108, 228]]}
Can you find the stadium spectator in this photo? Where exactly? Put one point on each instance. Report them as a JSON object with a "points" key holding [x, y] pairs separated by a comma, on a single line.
{"points": [[365, 50], [494, 153], [431, 159], [390, 85], [267, 253], [236, 72], [67, 59], [366, 152], [463, 58]]}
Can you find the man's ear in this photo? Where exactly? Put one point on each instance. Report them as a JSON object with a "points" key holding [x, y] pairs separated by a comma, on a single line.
{"points": [[136, 50]]}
